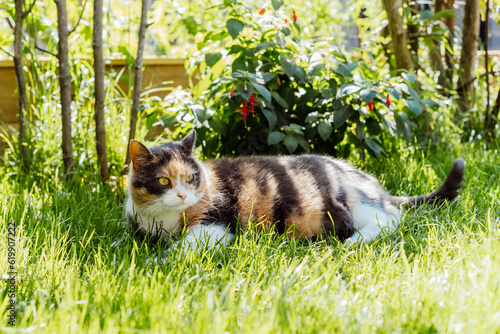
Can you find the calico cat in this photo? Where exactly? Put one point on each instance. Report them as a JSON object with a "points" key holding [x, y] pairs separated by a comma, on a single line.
{"points": [[305, 196]]}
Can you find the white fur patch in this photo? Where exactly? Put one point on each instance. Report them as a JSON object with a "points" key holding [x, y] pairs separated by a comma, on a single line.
{"points": [[202, 237], [165, 221], [370, 221]]}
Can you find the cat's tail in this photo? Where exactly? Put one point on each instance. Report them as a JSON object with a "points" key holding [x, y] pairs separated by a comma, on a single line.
{"points": [[447, 192]]}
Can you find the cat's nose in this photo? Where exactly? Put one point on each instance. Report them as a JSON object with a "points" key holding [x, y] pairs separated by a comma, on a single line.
{"points": [[181, 196]]}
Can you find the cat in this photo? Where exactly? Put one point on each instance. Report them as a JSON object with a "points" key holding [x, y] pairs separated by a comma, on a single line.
{"points": [[304, 196]]}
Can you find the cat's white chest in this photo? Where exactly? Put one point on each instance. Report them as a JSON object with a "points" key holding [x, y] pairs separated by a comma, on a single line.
{"points": [[165, 222]]}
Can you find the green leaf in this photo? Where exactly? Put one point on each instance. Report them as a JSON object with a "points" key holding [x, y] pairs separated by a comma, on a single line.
{"points": [[430, 103], [313, 116], [414, 106], [264, 46], [268, 76], [218, 125], [191, 25], [409, 76], [403, 128], [239, 64], [395, 92], [374, 147], [309, 96], [442, 14], [271, 116], [367, 94], [373, 126], [168, 120], [291, 142], [314, 68], [234, 27], [244, 93], [345, 69], [235, 49], [279, 99], [277, 4], [212, 58], [263, 91], [288, 64], [304, 144], [280, 38], [275, 137], [300, 74], [341, 115], [325, 130], [348, 89]]}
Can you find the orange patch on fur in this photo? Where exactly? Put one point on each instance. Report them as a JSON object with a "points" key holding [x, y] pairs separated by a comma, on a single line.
{"points": [[142, 197], [309, 222]]}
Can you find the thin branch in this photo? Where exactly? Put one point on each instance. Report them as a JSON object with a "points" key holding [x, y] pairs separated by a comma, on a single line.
{"points": [[461, 87], [44, 50], [7, 52], [79, 19], [10, 22], [486, 64], [28, 11]]}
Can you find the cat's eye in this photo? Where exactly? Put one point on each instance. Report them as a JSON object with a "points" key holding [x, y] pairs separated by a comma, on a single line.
{"points": [[190, 178], [164, 181]]}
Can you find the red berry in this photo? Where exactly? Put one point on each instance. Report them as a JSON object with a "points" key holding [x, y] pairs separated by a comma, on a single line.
{"points": [[370, 105], [388, 101]]}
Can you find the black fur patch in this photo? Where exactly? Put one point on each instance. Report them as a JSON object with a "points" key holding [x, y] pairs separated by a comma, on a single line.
{"points": [[342, 226]]}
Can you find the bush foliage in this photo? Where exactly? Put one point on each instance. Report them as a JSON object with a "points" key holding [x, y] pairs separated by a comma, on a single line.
{"points": [[263, 90]]}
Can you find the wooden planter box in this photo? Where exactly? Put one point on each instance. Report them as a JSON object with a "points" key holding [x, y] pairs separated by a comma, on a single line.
{"points": [[157, 71]]}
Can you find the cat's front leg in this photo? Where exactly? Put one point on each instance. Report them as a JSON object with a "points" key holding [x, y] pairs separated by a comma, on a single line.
{"points": [[205, 237]]}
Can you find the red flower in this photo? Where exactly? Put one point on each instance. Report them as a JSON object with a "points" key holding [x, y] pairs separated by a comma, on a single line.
{"points": [[370, 105], [252, 102], [490, 138], [294, 16], [244, 112], [262, 11], [388, 101], [231, 93], [286, 21]]}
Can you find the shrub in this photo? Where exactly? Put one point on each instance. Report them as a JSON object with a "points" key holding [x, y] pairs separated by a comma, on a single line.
{"points": [[263, 90]]}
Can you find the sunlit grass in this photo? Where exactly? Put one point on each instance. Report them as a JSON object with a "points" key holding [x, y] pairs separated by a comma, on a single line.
{"points": [[83, 272]]}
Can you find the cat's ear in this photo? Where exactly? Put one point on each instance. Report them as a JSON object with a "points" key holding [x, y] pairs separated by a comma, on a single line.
{"points": [[189, 141], [140, 154]]}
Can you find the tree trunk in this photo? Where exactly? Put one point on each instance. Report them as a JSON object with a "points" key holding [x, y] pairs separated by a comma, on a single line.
{"points": [[137, 78], [487, 65], [446, 76], [469, 52], [21, 82], [399, 44], [100, 126], [413, 31], [64, 83], [494, 112]]}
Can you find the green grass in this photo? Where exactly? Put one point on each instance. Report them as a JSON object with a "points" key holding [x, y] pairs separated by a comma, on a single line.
{"points": [[84, 273]]}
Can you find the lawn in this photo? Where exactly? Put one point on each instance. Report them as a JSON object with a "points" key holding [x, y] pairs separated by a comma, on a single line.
{"points": [[83, 272]]}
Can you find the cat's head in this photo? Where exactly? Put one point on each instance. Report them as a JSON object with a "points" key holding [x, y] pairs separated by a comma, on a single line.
{"points": [[166, 177]]}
